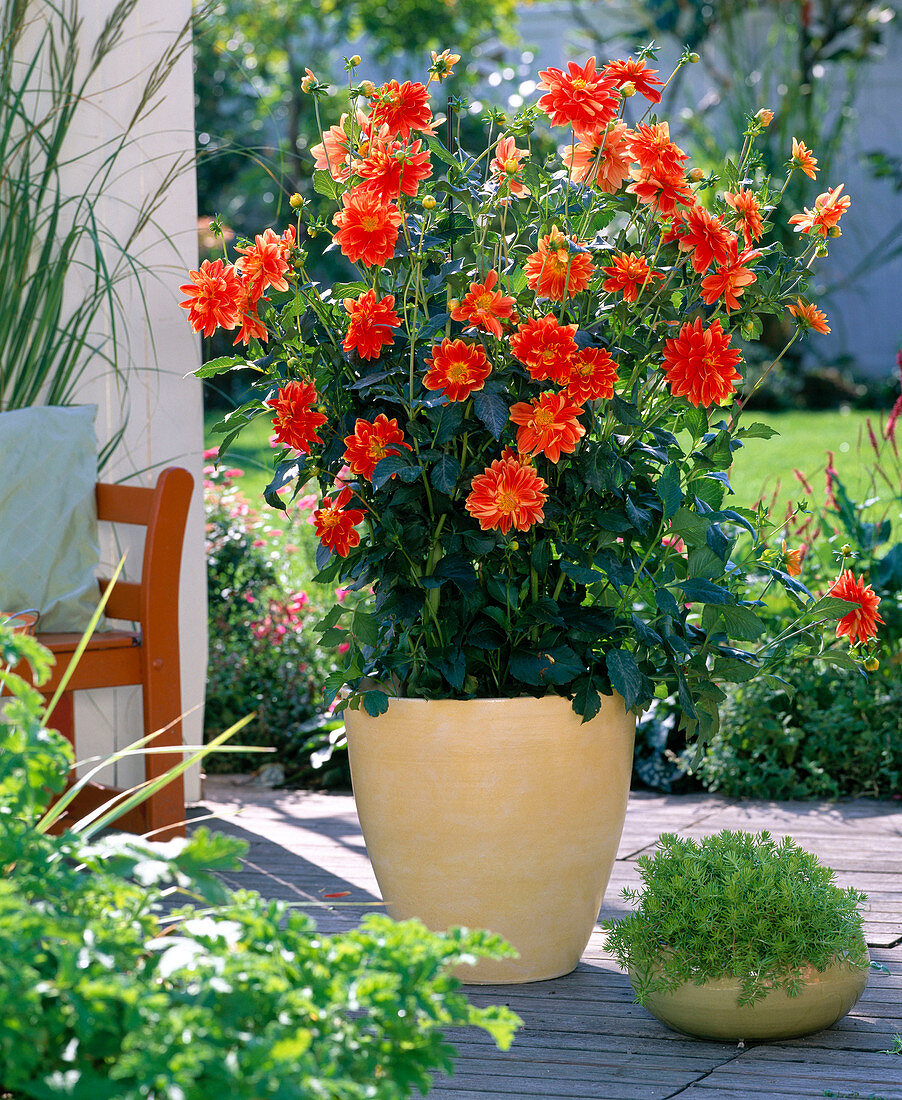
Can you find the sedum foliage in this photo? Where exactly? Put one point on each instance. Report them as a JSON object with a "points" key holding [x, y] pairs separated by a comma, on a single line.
{"points": [[108, 992], [735, 905]]}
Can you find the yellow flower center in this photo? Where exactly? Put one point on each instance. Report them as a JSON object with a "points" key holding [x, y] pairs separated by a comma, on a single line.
{"points": [[458, 371], [505, 501], [369, 224], [579, 84], [330, 518], [376, 449], [484, 301], [543, 418], [512, 166]]}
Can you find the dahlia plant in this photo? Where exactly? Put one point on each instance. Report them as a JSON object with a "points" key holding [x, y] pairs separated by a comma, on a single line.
{"points": [[523, 405]]}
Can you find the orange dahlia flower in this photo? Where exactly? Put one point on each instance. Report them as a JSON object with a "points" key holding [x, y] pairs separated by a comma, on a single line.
{"points": [[592, 376], [638, 73], [263, 264], [371, 442], [393, 168], [370, 324], [457, 369], [581, 98], [334, 154], [251, 327], [545, 348], [730, 279], [793, 559], [803, 158], [603, 159], [556, 272], [368, 227], [295, 421], [652, 148], [402, 108], [506, 166], [809, 316], [661, 192], [335, 524], [507, 494], [629, 273], [548, 425], [828, 209], [484, 307], [861, 623], [705, 237], [748, 208], [215, 294], [700, 365]]}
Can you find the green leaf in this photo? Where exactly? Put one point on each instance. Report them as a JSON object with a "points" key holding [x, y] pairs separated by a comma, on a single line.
{"points": [[387, 467], [757, 431], [331, 618], [668, 489], [444, 474], [586, 699], [220, 365], [580, 573], [698, 590], [285, 474], [695, 421], [492, 410], [431, 326], [734, 671], [831, 607], [738, 622], [527, 666], [626, 677], [323, 184], [375, 703], [562, 665], [365, 628]]}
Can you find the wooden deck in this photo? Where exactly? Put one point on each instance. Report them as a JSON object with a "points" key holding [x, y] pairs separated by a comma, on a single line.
{"points": [[583, 1036]]}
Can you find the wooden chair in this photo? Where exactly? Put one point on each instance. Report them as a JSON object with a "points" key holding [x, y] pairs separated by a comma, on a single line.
{"points": [[147, 655]]}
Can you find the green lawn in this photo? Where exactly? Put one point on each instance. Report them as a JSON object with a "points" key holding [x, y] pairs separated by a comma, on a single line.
{"points": [[762, 466]]}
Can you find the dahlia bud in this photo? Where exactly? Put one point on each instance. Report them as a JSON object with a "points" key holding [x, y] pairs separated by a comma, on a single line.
{"points": [[453, 304], [367, 87], [694, 58], [696, 174], [429, 202], [311, 232], [308, 83], [628, 90], [765, 116], [513, 545], [845, 550], [871, 664], [296, 201], [354, 61], [834, 231]]}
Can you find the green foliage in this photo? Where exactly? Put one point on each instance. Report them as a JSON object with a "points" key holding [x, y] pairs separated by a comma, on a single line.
{"points": [[110, 992], [264, 655], [735, 905], [48, 236], [826, 733]]}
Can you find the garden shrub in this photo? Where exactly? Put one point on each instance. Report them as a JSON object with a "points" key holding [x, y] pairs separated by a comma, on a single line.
{"points": [[107, 993], [830, 734], [264, 655]]}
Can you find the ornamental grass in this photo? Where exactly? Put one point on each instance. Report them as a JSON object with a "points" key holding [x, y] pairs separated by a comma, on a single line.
{"points": [[523, 404]]}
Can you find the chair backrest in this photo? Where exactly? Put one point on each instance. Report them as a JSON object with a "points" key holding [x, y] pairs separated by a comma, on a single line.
{"points": [[163, 511]]}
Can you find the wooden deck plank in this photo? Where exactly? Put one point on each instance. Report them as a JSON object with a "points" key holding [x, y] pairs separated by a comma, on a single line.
{"points": [[584, 1038]]}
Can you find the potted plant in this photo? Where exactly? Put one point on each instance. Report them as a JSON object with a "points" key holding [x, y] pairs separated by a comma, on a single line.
{"points": [[737, 937], [522, 408]]}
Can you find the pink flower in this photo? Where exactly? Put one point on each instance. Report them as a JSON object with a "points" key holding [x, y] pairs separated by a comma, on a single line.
{"points": [[343, 647], [211, 452], [341, 594]]}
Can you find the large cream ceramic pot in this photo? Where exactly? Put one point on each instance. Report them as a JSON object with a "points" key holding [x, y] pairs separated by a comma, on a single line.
{"points": [[502, 814]]}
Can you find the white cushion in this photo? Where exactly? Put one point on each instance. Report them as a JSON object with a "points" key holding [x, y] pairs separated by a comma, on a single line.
{"points": [[49, 545]]}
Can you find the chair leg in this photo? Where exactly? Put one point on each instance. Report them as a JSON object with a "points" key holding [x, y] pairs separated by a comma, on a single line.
{"points": [[162, 705]]}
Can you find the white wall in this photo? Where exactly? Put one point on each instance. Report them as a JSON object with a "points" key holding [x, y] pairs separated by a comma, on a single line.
{"points": [[165, 422]]}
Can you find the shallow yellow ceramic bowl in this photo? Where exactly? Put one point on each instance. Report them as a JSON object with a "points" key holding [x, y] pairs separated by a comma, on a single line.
{"points": [[711, 1011]]}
